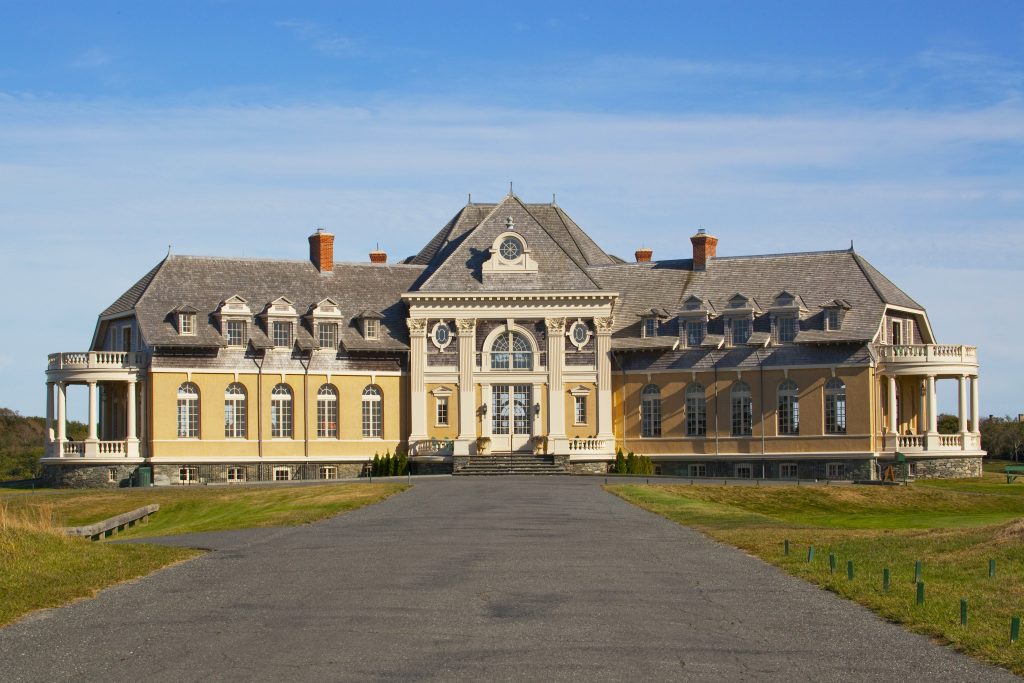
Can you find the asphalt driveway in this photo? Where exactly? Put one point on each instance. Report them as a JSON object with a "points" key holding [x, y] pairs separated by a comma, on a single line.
{"points": [[511, 578]]}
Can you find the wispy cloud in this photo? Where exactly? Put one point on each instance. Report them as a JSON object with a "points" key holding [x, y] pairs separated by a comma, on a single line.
{"points": [[320, 38], [92, 58]]}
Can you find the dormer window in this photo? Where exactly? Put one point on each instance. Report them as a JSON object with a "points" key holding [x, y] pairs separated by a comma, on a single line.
{"points": [[509, 253], [695, 333], [371, 328], [785, 329], [650, 327], [186, 324], [327, 335], [234, 315], [234, 332], [832, 319], [511, 248], [741, 329], [281, 334]]}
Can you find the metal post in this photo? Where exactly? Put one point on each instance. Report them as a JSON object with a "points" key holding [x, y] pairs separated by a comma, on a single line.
{"points": [[832, 563], [917, 571], [849, 570], [963, 611], [785, 547], [885, 580], [810, 553], [920, 593], [991, 569]]}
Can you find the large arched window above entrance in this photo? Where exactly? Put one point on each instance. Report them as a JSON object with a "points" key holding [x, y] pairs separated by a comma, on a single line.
{"points": [[511, 351]]}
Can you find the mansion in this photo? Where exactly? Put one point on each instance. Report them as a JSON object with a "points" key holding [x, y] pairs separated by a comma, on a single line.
{"points": [[511, 332]]}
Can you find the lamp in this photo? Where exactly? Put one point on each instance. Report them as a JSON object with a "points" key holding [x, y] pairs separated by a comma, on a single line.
{"points": [[483, 410], [536, 408]]}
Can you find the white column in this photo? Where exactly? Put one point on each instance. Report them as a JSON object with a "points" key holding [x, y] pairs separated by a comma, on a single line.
{"points": [[975, 416], [49, 413], [467, 396], [933, 414], [557, 441], [604, 381], [62, 422], [93, 410], [131, 427], [962, 403], [893, 413], [418, 387]]}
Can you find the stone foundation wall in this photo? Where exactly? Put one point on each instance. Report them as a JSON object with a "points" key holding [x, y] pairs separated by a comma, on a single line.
{"points": [[770, 469], [94, 476], [431, 468], [217, 473], [596, 467], [945, 468]]}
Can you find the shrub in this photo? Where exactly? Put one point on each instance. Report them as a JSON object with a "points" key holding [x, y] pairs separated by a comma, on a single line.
{"points": [[620, 462], [375, 467]]}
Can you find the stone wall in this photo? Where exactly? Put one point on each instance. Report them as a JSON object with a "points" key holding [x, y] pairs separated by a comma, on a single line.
{"points": [[431, 468], [217, 473], [92, 476], [945, 468], [595, 467], [858, 470]]}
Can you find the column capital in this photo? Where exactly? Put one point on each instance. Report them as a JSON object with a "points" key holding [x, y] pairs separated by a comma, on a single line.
{"points": [[604, 324], [556, 326], [417, 327], [466, 325]]}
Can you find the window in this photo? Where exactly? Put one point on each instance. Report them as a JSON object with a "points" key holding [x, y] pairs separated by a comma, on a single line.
{"points": [[327, 412], [282, 333], [510, 249], [788, 470], [694, 333], [897, 333], [580, 412], [188, 475], [835, 470], [234, 330], [650, 327], [741, 328], [832, 319], [442, 335], [188, 411], [234, 411], [442, 411], [371, 328], [327, 334], [111, 475], [186, 323], [698, 470], [696, 410], [835, 406], [126, 338], [789, 408], [281, 412], [328, 472], [511, 351], [236, 474], [743, 471], [785, 329], [650, 411], [742, 410], [579, 334], [373, 413], [282, 474]]}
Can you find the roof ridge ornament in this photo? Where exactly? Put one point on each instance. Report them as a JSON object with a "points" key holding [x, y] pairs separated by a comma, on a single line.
{"points": [[510, 223]]}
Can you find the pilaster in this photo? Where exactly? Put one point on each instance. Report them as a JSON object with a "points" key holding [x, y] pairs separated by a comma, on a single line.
{"points": [[418, 387], [557, 441], [604, 378], [464, 445]]}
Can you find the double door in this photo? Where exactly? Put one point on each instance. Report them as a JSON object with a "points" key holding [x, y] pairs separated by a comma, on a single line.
{"points": [[512, 417]]}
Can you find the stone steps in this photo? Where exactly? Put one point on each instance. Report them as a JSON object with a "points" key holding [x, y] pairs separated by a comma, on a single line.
{"points": [[517, 463]]}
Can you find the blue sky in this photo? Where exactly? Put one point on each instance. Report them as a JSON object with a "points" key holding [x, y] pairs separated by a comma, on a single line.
{"points": [[235, 128]]}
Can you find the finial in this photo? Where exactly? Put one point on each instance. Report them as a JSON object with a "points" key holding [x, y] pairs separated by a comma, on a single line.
{"points": [[168, 249], [469, 198], [510, 193], [851, 245], [553, 202]]}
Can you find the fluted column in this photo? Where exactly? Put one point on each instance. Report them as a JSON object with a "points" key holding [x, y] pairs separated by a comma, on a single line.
{"points": [[557, 441], [604, 380], [418, 387], [975, 416], [467, 397]]}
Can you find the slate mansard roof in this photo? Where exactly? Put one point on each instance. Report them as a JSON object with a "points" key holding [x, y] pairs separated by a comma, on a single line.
{"points": [[568, 260]]}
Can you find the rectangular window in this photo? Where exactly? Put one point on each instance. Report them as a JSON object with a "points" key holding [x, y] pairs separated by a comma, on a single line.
{"points": [[835, 470], [188, 418], [234, 332], [694, 333], [111, 475], [188, 475], [186, 323], [371, 327], [126, 338], [282, 333], [581, 409], [785, 329], [835, 413], [832, 319], [744, 471], [442, 411], [741, 331], [328, 472], [650, 327], [787, 470], [328, 335], [282, 474], [696, 414], [236, 474], [897, 333], [699, 470]]}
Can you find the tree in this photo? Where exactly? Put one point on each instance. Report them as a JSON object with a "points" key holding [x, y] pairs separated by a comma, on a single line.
{"points": [[948, 424]]}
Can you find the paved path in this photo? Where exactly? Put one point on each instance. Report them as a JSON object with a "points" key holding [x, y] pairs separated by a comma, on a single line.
{"points": [[473, 578]]}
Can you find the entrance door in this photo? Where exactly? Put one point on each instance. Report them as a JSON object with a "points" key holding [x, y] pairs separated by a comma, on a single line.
{"points": [[511, 424]]}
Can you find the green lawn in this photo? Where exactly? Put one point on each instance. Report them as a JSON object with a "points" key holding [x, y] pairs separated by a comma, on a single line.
{"points": [[954, 528], [40, 567]]}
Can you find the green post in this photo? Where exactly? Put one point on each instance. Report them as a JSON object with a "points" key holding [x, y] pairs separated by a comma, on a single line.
{"points": [[1014, 629], [963, 611], [849, 570], [917, 571], [810, 553], [991, 569], [785, 547], [885, 579], [832, 563], [920, 593]]}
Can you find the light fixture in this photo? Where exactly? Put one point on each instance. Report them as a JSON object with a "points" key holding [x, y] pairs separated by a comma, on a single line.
{"points": [[483, 410], [536, 408]]}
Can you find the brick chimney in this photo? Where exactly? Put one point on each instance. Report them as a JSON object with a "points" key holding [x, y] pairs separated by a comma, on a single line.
{"points": [[704, 247], [321, 250], [378, 256], [643, 255]]}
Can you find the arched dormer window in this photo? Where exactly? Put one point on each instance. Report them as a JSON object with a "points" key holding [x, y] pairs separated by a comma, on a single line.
{"points": [[650, 411], [789, 408], [511, 351], [510, 253]]}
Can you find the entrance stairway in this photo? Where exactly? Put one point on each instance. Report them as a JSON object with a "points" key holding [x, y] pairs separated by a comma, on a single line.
{"points": [[511, 463]]}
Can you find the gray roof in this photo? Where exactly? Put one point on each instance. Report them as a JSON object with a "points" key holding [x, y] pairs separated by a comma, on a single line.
{"points": [[745, 357], [205, 282]]}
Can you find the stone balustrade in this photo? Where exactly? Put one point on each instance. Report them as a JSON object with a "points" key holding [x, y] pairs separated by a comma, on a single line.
{"points": [[588, 445], [96, 360]]}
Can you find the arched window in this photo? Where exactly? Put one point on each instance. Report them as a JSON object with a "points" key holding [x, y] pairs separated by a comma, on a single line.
{"points": [[281, 412], [373, 413], [327, 412], [788, 408], [742, 410], [188, 411], [234, 411], [835, 406], [696, 410], [650, 411], [511, 350]]}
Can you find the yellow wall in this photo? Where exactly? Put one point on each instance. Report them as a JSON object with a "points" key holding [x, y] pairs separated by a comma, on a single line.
{"points": [[433, 429], [588, 429]]}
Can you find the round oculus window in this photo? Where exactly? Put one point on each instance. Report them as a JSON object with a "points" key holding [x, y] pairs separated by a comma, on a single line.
{"points": [[510, 249], [441, 334], [579, 333]]}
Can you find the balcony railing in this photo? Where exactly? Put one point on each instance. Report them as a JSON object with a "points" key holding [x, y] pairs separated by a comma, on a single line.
{"points": [[941, 353], [923, 443], [96, 360], [433, 447], [590, 445], [96, 449]]}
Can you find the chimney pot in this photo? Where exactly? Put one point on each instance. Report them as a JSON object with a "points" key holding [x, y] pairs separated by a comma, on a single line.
{"points": [[321, 250], [378, 256], [643, 255], [704, 247]]}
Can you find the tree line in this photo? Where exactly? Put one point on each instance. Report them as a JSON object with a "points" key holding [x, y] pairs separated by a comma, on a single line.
{"points": [[21, 443]]}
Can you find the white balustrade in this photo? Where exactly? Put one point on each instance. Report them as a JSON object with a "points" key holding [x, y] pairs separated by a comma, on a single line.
{"points": [[96, 360], [73, 448], [910, 441], [937, 352], [950, 441], [111, 448], [591, 445]]}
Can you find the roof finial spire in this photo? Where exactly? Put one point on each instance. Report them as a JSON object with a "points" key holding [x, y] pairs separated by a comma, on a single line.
{"points": [[553, 200], [851, 245], [469, 198], [510, 193], [168, 249]]}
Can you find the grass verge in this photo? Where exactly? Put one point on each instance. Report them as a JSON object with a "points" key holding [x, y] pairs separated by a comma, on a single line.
{"points": [[954, 529]]}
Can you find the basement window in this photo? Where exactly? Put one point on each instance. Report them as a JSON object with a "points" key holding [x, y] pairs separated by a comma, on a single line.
{"points": [[282, 474], [188, 475], [699, 470], [835, 470], [788, 470], [236, 474], [328, 472], [111, 475]]}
